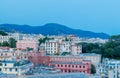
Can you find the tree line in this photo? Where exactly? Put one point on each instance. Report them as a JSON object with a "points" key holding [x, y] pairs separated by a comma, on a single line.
{"points": [[10, 43], [110, 49], [3, 33]]}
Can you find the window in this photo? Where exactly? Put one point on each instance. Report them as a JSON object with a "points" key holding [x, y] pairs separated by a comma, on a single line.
{"points": [[73, 66], [6, 54], [69, 71], [65, 65], [79, 66], [25, 56], [61, 65], [5, 69], [83, 66], [0, 64], [114, 76], [58, 65], [13, 54], [69, 65], [10, 69], [5, 64], [16, 69], [0, 69], [76, 66]]}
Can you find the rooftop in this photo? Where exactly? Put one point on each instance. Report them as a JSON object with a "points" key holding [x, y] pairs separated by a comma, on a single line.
{"points": [[66, 75], [89, 54], [78, 63]]}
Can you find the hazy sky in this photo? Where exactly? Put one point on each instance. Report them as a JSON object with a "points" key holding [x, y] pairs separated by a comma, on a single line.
{"points": [[93, 15]]}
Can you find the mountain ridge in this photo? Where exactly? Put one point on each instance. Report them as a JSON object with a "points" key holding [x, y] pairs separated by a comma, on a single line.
{"points": [[51, 29]]}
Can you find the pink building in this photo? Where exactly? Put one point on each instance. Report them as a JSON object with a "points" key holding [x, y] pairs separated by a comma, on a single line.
{"points": [[65, 59], [38, 58], [24, 44], [70, 64], [67, 64], [68, 67]]}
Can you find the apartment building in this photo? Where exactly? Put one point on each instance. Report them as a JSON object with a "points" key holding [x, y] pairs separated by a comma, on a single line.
{"points": [[52, 47], [27, 43], [95, 58], [109, 68], [14, 67], [76, 49], [16, 36], [65, 46], [69, 67], [7, 53]]}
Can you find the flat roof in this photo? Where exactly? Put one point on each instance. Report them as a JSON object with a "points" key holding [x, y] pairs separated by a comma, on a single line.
{"points": [[78, 63], [63, 75]]}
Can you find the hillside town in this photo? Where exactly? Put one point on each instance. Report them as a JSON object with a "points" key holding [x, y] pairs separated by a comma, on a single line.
{"points": [[38, 56]]}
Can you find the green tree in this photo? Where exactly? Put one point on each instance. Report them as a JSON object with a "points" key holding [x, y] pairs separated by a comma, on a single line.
{"points": [[12, 43], [66, 39], [91, 48], [3, 33], [115, 37], [65, 53], [40, 41], [43, 40], [97, 51], [5, 44], [56, 54], [93, 69], [109, 52], [0, 44], [29, 49], [117, 52]]}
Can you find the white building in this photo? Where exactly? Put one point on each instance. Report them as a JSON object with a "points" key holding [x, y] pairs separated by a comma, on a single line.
{"points": [[70, 47], [76, 49], [76, 39], [14, 67], [109, 68], [10, 54], [95, 58], [65, 46], [51, 47], [54, 46], [16, 36]]}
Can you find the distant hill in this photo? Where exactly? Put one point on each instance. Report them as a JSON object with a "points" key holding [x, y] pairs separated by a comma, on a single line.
{"points": [[51, 29]]}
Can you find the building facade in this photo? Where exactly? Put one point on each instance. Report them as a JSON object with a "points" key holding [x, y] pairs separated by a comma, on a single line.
{"points": [[7, 53], [69, 67], [16, 36], [52, 47], [37, 58], [109, 68], [13, 67], [65, 46], [76, 49], [95, 58], [24, 44]]}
